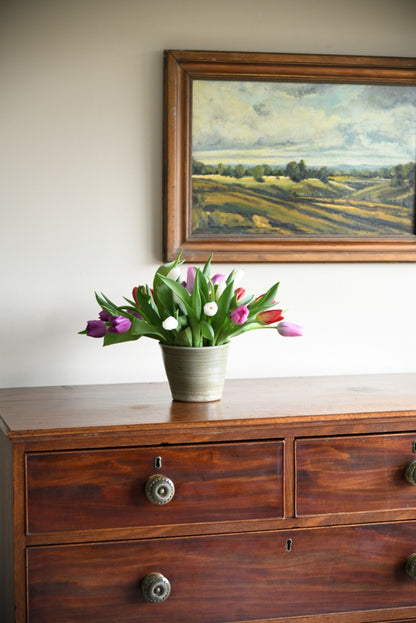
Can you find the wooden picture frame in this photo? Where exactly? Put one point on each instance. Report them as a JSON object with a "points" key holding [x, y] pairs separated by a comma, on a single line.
{"points": [[346, 125]]}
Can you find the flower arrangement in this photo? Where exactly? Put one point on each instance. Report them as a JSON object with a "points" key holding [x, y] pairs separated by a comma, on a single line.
{"points": [[198, 311]]}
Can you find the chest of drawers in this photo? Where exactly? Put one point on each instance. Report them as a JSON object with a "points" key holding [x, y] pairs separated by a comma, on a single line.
{"points": [[289, 500]]}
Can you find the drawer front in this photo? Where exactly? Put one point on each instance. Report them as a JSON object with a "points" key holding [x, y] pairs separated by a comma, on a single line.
{"points": [[353, 474], [83, 490], [219, 579]]}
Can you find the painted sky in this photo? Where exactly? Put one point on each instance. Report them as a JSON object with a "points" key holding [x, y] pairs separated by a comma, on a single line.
{"points": [[325, 124]]}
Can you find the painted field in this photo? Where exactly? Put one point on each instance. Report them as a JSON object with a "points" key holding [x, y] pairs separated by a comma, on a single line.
{"points": [[341, 206]]}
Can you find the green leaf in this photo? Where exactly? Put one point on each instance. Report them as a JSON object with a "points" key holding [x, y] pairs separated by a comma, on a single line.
{"points": [[141, 327], [131, 306], [246, 300], [151, 300], [118, 338], [182, 321], [199, 293], [108, 305], [165, 269], [147, 308], [223, 307], [164, 300], [184, 338], [207, 331], [265, 301], [179, 290], [204, 287], [207, 268], [250, 326], [230, 277]]}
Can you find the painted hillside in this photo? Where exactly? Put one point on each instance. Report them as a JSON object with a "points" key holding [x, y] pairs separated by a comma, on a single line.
{"points": [[303, 203]]}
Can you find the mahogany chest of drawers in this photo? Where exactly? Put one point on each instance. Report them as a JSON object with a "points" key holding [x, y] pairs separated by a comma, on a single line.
{"points": [[289, 500]]}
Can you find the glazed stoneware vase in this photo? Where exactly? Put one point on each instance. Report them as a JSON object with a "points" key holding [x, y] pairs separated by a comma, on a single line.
{"points": [[195, 374]]}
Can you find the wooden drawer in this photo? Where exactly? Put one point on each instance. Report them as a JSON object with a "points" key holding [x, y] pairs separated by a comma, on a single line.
{"points": [[353, 474], [84, 490], [218, 579]]}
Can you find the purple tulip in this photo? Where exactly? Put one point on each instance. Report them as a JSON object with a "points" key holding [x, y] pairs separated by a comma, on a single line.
{"points": [[96, 328], [105, 316], [190, 279], [218, 278], [120, 324], [240, 314], [289, 329]]}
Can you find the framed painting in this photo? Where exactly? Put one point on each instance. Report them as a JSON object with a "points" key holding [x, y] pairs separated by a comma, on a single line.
{"points": [[288, 157]]}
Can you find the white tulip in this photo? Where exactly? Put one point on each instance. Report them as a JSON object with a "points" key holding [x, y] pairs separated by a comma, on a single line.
{"points": [[170, 323], [220, 289], [238, 276], [210, 309], [174, 273]]}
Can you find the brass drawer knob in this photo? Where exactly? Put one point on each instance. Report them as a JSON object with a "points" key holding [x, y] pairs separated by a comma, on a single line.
{"points": [[410, 473], [411, 566], [159, 489], [155, 588]]}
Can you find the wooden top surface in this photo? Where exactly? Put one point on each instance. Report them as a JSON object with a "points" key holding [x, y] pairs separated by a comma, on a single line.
{"points": [[137, 405]]}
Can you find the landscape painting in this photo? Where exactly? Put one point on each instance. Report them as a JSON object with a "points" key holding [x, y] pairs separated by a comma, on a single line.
{"points": [[288, 157], [275, 159]]}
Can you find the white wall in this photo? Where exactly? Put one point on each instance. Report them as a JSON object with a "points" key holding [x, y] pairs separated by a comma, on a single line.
{"points": [[81, 144]]}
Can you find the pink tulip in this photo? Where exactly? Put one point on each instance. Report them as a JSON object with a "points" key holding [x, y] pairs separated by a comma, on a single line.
{"points": [[289, 329], [240, 314]]}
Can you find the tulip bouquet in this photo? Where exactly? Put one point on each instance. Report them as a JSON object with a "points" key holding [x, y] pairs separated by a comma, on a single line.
{"points": [[197, 311]]}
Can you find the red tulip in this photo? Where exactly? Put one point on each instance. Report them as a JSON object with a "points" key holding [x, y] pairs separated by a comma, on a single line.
{"points": [[270, 316]]}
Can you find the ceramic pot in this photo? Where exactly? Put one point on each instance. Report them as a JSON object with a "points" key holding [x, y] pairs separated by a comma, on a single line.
{"points": [[195, 374]]}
